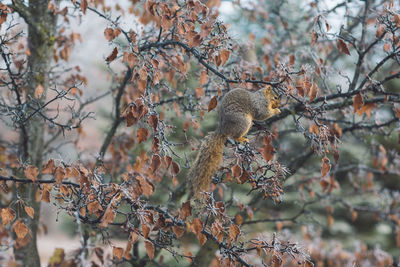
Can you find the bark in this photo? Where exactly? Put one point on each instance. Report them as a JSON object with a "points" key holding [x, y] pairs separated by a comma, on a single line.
{"points": [[41, 38], [205, 255]]}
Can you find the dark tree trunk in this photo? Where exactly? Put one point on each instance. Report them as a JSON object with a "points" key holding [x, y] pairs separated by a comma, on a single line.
{"points": [[41, 38]]}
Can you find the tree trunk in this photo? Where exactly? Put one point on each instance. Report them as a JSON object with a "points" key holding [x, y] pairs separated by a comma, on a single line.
{"points": [[41, 38], [205, 255]]}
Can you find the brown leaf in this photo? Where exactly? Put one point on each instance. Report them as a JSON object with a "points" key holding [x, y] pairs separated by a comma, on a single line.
{"points": [[197, 226], [109, 34], [118, 252], [108, 217], [149, 249], [168, 161], [313, 92], [153, 121], [243, 178], [342, 47], [213, 103], [186, 210], [142, 135], [326, 166], [189, 256], [234, 232], [59, 175], [314, 38], [236, 170], [94, 206], [155, 162], [202, 238], [357, 102], [178, 231], [367, 109], [20, 229], [31, 172], [396, 18], [175, 168], [268, 152], [134, 237], [199, 92], [29, 211], [84, 5], [239, 219], [353, 215], [49, 168], [7, 215], [386, 47], [330, 220], [113, 55], [292, 59], [39, 91], [145, 230], [128, 249], [203, 77], [224, 55]]}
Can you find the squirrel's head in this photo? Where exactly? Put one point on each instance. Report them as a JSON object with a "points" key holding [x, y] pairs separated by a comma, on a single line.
{"points": [[272, 97]]}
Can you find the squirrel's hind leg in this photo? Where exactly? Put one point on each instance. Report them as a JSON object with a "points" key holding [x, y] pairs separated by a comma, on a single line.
{"points": [[236, 126]]}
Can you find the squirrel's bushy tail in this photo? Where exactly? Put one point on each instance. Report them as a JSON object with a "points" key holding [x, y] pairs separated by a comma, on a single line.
{"points": [[207, 162]]}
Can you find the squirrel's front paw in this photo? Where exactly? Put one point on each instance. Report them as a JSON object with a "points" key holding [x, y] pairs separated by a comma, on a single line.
{"points": [[242, 139], [277, 111]]}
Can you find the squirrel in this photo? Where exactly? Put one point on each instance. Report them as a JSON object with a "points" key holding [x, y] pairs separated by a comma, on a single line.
{"points": [[236, 112]]}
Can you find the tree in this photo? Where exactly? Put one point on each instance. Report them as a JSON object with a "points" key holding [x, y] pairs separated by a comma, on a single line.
{"points": [[330, 157]]}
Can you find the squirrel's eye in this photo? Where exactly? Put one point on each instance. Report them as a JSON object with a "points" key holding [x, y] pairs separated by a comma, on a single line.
{"points": [[275, 97]]}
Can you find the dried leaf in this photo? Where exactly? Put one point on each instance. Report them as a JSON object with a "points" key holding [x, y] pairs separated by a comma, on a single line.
{"points": [[239, 219], [292, 59], [396, 18], [234, 232], [236, 170], [39, 91], [153, 121], [175, 168], [342, 47], [145, 230], [142, 135], [199, 92], [357, 102], [29, 211], [367, 109], [149, 249], [313, 92], [213, 103], [59, 174], [314, 38], [109, 34], [224, 56], [49, 168], [113, 55], [178, 231], [330, 220], [108, 217], [7, 215], [386, 47], [197, 226], [186, 210], [155, 162], [31, 172], [326, 166], [203, 77], [84, 5], [20, 229], [118, 252]]}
